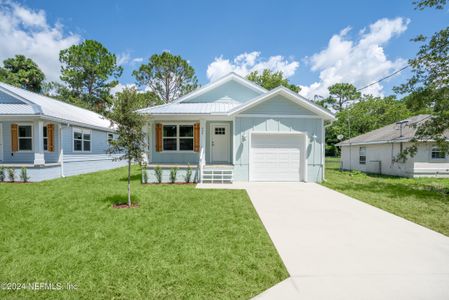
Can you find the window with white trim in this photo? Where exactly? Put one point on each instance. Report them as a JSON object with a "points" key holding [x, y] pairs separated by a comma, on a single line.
{"points": [[81, 140], [45, 138], [362, 155], [438, 153], [25, 137], [177, 137]]}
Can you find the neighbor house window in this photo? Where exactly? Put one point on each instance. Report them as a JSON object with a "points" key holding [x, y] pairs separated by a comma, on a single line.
{"points": [[177, 137], [437, 153], [362, 155], [81, 140], [45, 138], [110, 137], [25, 137]]}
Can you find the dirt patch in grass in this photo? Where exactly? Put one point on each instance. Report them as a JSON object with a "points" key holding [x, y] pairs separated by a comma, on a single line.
{"points": [[125, 205]]}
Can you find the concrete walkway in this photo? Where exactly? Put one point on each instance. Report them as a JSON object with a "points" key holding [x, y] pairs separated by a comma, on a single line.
{"points": [[336, 247]]}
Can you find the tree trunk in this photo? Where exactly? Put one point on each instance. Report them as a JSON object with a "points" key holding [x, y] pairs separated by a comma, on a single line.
{"points": [[129, 182]]}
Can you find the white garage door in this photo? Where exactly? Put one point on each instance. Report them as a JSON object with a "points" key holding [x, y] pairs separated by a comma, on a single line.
{"points": [[275, 157]]}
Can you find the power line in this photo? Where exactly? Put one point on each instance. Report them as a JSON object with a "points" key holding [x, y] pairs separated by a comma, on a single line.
{"points": [[386, 77]]}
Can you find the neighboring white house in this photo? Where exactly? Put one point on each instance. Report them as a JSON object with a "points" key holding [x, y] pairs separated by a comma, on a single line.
{"points": [[51, 138], [234, 130], [375, 152]]}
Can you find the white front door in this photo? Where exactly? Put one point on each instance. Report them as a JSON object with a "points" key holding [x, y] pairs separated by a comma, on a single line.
{"points": [[219, 143], [1, 142]]}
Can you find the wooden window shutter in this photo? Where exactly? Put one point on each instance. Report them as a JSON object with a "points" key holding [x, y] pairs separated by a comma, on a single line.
{"points": [[196, 137], [158, 137], [51, 137], [14, 138]]}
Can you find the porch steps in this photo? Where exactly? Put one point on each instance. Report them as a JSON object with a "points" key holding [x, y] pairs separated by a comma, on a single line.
{"points": [[217, 174]]}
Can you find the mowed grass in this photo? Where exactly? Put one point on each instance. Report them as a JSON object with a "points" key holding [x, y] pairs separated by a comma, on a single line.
{"points": [[422, 200], [180, 243]]}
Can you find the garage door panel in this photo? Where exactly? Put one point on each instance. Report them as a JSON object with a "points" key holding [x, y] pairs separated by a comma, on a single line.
{"points": [[275, 157]]}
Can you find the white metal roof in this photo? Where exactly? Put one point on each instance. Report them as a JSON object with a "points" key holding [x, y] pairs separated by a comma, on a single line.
{"points": [[35, 104], [190, 108]]}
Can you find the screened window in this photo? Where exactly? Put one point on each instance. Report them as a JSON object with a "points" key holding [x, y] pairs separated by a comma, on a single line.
{"points": [[362, 155], [81, 140], [25, 137], [177, 137], [437, 153], [45, 138]]}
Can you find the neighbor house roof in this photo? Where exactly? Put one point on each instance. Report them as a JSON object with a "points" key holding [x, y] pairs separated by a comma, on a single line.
{"points": [[229, 107], [390, 133], [32, 104]]}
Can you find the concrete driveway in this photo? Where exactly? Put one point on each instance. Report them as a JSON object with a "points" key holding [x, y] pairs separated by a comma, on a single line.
{"points": [[336, 247]]}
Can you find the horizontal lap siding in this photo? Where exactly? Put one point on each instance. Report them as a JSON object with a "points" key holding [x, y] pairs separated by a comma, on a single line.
{"points": [[246, 125], [16, 157]]}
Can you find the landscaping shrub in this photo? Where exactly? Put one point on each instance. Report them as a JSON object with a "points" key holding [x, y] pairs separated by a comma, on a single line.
{"points": [[188, 176], [11, 175], [173, 172], [158, 174], [24, 174], [2, 174]]}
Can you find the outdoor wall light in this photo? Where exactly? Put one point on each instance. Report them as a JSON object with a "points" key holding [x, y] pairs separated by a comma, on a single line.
{"points": [[243, 139]]}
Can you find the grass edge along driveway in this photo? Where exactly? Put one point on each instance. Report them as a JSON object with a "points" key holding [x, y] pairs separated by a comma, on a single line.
{"points": [[424, 201]]}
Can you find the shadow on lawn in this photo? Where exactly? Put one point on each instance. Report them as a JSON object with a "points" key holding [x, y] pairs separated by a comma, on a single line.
{"points": [[134, 177], [118, 199]]}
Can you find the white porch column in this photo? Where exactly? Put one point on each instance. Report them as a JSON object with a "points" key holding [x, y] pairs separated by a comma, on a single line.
{"points": [[202, 142], [61, 149], [38, 141], [148, 128]]}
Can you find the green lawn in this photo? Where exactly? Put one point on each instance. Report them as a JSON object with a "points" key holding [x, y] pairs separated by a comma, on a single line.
{"points": [[422, 200], [181, 242]]}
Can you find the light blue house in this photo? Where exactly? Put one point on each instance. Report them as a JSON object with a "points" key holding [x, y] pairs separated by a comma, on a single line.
{"points": [[234, 130], [51, 138]]}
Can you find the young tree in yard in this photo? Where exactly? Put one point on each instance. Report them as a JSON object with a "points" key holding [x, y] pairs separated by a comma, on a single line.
{"points": [[90, 71], [428, 87], [168, 76], [22, 72], [271, 80], [130, 141], [341, 94]]}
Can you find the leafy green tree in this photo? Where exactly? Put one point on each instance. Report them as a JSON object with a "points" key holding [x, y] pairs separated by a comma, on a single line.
{"points": [[89, 71], [131, 139], [146, 99], [22, 72], [271, 80], [428, 87], [168, 76], [340, 95], [361, 117]]}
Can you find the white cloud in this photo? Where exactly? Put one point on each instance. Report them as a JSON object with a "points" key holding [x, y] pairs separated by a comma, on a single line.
{"points": [[26, 31], [137, 60], [246, 63], [123, 58], [120, 87], [359, 62]]}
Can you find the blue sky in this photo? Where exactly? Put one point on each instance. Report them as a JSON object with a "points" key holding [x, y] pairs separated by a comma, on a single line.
{"points": [[292, 36]]}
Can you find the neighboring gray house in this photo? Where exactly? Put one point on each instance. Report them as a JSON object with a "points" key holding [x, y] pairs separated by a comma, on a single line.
{"points": [[234, 130], [49, 137], [375, 152]]}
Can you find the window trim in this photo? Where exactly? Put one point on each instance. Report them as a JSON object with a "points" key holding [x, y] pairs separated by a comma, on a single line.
{"points": [[82, 131], [360, 156], [44, 138], [177, 124], [439, 150], [32, 137]]}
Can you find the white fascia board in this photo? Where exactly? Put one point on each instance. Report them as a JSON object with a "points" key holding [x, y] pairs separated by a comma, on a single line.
{"points": [[326, 115], [218, 82]]}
